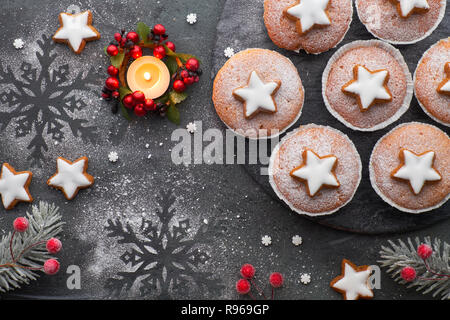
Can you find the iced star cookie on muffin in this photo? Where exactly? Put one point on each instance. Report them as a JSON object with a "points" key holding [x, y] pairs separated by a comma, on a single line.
{"points": [[401, 21], [14, 186], [431, 82], [315, 170], [258, 93], [367, 85], [410, 167], [311, 25]]}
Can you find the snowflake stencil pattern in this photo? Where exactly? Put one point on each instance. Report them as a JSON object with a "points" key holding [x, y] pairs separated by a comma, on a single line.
{"points": [[40, 101], [166, 262]]}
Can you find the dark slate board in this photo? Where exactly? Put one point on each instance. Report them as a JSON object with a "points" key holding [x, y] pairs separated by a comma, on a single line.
{"points": [[242, 26]]}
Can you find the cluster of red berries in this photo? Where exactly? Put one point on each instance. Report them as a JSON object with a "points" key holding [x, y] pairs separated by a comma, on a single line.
{"points": [[136, 101], [187, 75], [53, 245], [243, 286]]}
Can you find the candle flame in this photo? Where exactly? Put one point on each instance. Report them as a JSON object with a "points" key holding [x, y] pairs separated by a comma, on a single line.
{"points": [[147, 76]]}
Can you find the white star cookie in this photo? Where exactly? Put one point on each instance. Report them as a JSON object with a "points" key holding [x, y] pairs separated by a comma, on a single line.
{"points": [[75, 30], [417, 168], [257, 95], [369, 87], [309, 13], [444, 86], [316, 172], [70, 177], [407, 7], [14, 186], [353, 283]]}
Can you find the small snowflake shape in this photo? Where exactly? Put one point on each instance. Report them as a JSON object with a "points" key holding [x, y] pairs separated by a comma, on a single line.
{"points": [[305, 278], [191, 127], [266, 240], [191, 18], [228, 52], [18, 43], [113, 156], [297, 240]]}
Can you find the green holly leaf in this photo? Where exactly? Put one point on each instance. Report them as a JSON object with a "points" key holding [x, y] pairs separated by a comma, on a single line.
{"points": [[143, 30], [124, 111], [177, 97], [185, 57], [123, 91], [117, 60], [169, 52], [171, 64], [173, 114]]}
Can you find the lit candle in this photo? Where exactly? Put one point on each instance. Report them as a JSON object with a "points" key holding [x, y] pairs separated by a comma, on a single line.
{"points": [[149, 75]]}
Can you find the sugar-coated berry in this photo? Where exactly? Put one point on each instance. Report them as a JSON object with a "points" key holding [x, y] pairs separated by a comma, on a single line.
{"points": [[196, 79], [113, 71], [243, 286], [171, 45], [159, 29], [149, 105], [408, 274], [159, 52], [192, 64], [133, 36], [136, 52], [112, 50], [112, 83], [128, 101], [115, 94], [184, 74], [51, 266], [179, 86], [117, 36], [247, 271], [139, 96], [139, 110], [105, 95], [53, 245], [20, 224], [424, 251], [276, 279], [188, 81]]}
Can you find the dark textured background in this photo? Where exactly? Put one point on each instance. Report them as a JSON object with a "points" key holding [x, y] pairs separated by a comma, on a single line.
{"points": [[127, 191]]}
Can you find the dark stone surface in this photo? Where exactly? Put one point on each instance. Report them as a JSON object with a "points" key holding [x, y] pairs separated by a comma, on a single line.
{"points": [[218, 201]]}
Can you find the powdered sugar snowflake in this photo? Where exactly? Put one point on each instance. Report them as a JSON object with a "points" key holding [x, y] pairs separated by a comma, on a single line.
{"points": [[191, 18], [18, 43], [297, 240], [191, 127], [228, 52], [305, 278], [113, 156], [266, 240]]}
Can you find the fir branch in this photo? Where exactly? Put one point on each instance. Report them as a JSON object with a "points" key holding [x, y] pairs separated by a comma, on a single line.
{"points": [[397, 256], [44, 223]]}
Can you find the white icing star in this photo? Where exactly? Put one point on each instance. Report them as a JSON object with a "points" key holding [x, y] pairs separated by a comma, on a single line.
{"points": [[266, 240], [297, 240], [74, 29], [191, 18], [257, 95], [228, 52], [191, 127], [305, 278], [353, 283], [368, 86], [13, 186], [317, 172], [310, 13], [70, 177], [417, 169], [407, 6], [444, 86], [113, 156], [18, 43]]}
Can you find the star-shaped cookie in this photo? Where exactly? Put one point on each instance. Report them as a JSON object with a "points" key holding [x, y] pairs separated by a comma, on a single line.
{"points": [[417, 168], [406, 8], [76, 30], [70, 177], [444, 86], [257, 95], [369, 87], [14, 186], [309, 14], [353, 283], [316, 172]]}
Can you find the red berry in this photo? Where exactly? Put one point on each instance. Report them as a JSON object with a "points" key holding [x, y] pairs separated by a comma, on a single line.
{"points": [[133, 36], [136, 52], [53, 245], [128, 101], [117, 36], [51, 266], [247, 271], [112, 50], [159, 52], [424, 251], [113, 71], [115, 94], [243, 286], [20, 224], [408, 274], [188, 81], [139, 96], [159, 29], [139, 110], [192, 64], [179, 86], [149, 105], [184, 74], [112, 83], [276, 280], [196, 79], [170, 45], [105, 95]]}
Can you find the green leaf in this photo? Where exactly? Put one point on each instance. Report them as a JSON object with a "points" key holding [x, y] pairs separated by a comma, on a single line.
{"points": [[171, 64], [143, 30], [117, 60], [163, 99], [169, 52], [186, 56], [123, 91], [124, 111], [173, 114], [177, 97]]}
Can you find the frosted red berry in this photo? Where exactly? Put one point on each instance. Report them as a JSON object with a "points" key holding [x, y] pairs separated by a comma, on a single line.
{"points": [[408, 274], [117, 36], [192, 64], [424, 251], [133, 36], [139, 96], [159, 29], [247, 271], [184, 74], [188, 81], [179, 86], [128, 101], [159, 52], [112, 83], [51, 266], [136, 52], [243, 286], [149, 105], [171, 45], [196, 79], [53, 245], [115, 94], [112, 50], [105, 95], [139, 110], [20, 224], [276, 279], [113, 71]]}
